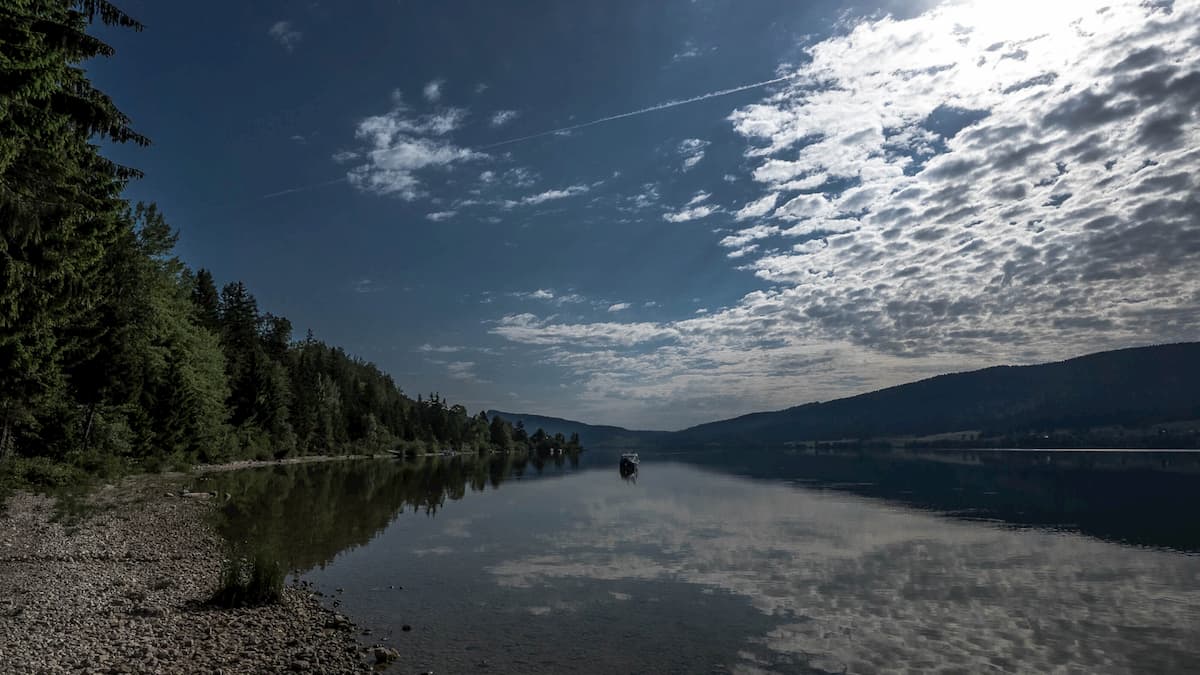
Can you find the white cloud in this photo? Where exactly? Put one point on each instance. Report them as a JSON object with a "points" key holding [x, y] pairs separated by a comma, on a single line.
{"points": [[285, 34], [750, 234], [465, 371], [548, 195], [529, 329], [805, 206], [441, 349], [398, 145], [365, 285], [549, 295], [759, 207], [520, 177], [688, 52], [962, 188], [700, 196], [502, 117], [620, 306], [439, 216], [743, 251], [954, 230], [694, 213], [647, 198], [433, 91], [692, 151]]}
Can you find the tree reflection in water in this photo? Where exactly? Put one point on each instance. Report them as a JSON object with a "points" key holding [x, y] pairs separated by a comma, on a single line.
{"points": [[303, 515]]}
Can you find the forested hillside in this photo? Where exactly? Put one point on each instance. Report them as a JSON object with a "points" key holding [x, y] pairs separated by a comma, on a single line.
{"points": [[1123, 388], [597, 435], [113, 351]]}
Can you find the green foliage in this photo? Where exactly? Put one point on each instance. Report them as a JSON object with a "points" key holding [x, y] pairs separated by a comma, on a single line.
{"points": [[113, 354], [206, 300], [59, 198], [249, 582], [41, 473]]}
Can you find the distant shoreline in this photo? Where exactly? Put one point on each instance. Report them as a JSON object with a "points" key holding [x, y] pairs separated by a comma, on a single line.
{"points": [[257, 463]]}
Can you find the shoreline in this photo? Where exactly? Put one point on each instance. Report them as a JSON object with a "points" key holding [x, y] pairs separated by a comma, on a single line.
{"points": [[124, 589], [256, 463]]}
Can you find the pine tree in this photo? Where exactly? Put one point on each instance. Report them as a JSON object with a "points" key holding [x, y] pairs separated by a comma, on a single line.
{"points": [[500, 436], [206, 300], [59, 198], [276, 335], [109, 345]]}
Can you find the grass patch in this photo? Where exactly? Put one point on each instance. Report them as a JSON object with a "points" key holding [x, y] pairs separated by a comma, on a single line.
{"points": [[37, 474], [72, 506], [249, 582], [176, 462], [40, 474], [68, 483]]}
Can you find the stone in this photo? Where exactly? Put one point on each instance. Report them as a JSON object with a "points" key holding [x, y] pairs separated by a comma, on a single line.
{"points": [[384, 654], [138, 562], [339, 622]]}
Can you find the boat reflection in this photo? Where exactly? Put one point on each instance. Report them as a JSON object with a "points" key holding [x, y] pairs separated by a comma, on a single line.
{"points": [[629, 472]]}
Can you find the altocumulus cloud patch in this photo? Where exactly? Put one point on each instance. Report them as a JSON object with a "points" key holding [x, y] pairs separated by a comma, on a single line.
{"points": [[959, 188]]}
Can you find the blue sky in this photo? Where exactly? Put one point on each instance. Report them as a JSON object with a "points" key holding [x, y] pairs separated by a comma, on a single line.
{"points": [[924, 187]]}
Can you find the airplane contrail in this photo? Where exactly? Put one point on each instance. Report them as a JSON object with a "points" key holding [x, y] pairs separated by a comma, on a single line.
{"points": [[642, 111], [581, 125], [302, 188]]}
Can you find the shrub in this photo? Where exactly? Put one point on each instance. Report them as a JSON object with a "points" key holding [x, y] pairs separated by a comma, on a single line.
{"points": [[44, 473], [102, 465], [249, 582]]}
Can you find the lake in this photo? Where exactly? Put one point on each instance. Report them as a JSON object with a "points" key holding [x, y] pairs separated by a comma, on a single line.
{"points": [[749, 562]]}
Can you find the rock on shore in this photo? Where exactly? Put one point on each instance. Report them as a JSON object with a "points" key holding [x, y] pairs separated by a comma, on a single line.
{"points": [[124, 592]]}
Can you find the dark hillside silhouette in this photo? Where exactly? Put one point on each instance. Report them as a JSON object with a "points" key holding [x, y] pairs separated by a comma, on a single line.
{"points": [[1128, 387]]}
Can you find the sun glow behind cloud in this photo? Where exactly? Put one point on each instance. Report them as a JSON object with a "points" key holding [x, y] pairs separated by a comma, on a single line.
{"points": [[982, 182]]}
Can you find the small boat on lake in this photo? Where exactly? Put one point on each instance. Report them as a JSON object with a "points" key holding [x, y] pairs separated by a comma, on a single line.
{"points": [[629, 461]]}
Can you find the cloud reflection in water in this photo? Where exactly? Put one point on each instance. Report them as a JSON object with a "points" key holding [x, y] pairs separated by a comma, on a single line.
{"points": [[863, 586]]}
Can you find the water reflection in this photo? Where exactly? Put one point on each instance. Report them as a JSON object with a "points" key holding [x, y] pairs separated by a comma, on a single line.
{"points": [[305, 514], [860, 586], [1133, 497], [826, 567]]}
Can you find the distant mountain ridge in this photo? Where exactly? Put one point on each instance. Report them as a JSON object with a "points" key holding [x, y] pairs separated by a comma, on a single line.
{"points": [[592, 435], [1133, 387]]}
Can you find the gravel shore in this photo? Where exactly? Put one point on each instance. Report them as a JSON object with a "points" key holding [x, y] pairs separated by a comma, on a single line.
{"points": [[124, 591]]}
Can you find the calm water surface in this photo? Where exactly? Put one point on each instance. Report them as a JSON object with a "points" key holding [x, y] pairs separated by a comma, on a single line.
{"points": [[970, 565]]}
